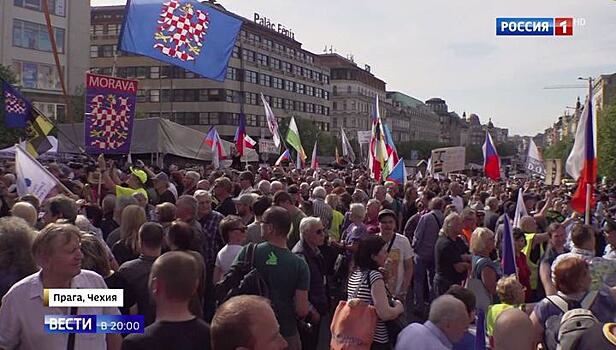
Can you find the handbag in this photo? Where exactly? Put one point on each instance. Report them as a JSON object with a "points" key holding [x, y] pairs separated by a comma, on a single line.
{"points": [[475, 285], [395, 326], [353, 324]]}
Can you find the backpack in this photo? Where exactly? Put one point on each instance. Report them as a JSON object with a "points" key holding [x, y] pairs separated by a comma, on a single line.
{"points": [[242, 279], [563, 331]]}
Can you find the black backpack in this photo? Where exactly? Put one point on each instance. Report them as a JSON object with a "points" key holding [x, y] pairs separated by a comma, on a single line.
{"points": [[242, 279]]}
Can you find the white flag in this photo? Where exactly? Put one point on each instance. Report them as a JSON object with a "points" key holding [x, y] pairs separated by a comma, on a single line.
{"points": [[520, 209], [429, 167], [271, 121], [534, 161], [32, 177], [347, 150]]}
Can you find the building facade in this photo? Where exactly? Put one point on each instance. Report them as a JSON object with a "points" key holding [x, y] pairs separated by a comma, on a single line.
{"points": [[354, 90], [25, 46], [264, 61], [424, 125], [450, 122]]}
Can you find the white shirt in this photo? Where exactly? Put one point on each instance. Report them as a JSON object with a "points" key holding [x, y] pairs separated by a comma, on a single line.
{"points": [[22, 316], [400, 252], [458, 202], [226, 256], [173, 190]]}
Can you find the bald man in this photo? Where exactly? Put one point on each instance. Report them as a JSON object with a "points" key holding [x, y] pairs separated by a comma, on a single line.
{"points": [[25, 211], [512, 331]]}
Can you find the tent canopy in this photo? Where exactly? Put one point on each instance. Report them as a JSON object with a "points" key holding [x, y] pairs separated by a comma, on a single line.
{"points": [[154, 135], [10, 151]]}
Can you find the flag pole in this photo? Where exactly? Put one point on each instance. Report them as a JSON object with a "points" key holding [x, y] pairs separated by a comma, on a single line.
{"points": [[588, 197]]}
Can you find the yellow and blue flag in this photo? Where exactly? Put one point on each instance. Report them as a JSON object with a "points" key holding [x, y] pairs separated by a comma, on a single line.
{"points": [[185, 33]]}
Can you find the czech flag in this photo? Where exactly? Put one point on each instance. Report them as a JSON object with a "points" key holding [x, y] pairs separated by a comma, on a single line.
{"points": [[242, 140], [582, 161], [284, 156], [398, 173], [491, 161], [314, 162], [213, 140]]}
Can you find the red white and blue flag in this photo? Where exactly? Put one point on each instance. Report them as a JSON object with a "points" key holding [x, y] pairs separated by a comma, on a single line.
{"points": [[508, 251], [398, 173], [242, 140], [284, 156], [491, 161], [314, 162], [582, 161], [218, 152]]}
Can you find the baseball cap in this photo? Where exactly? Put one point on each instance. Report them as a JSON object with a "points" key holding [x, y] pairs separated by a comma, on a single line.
{"points": [[387, 212], [140, 174], [246, 199]]}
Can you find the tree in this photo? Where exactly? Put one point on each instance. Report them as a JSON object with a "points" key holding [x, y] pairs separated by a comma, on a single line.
{"points": [[606, 142], [8, 136], [559, 150]]}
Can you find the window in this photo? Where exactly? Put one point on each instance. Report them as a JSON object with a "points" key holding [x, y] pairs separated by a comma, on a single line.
{"points": [[349, 89], [277, 102], [310, 107], [262, 59], [93, 51], [142, 72], [210, 118], [325, 79], [248, 55], [37, 75], [254, 38], [113, 29], [267, 42], [264, 79], [335, 105], [335, 90], [34, 36], [326, 95], [298, 70], [274, 63], [310, 90], [142, 95], [318, 92], [286, 66], [236, 52], [289, 85], [232, 73], [335, 122], [107, 51], [252, 120], [318, 109], [301, 88], [278, 47], [155, 95], [300, 106], [154, 72], [277, 83], [250, 98], [56, 7], [288, 104], [317, 76]]}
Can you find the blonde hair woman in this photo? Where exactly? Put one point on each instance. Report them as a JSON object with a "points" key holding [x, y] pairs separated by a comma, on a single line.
{"points": [[127, 248], [483, 268]]}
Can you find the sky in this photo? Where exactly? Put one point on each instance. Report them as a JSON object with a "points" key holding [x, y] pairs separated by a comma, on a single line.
{"points": [[449, 49]]}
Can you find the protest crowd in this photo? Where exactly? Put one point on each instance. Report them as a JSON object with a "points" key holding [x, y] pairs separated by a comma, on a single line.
{"points": [[283, 258]]}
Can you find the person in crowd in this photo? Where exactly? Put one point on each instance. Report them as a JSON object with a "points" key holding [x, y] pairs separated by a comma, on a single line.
{"points": [[135, 273], [276, 186], [142, 201], [455, 190], [136, 180], [469, 223], [372, 212], [210, 223], [247, 180], [366, 283], [127, 248], [165, 215], [187, 211], [287, 275], [447, 323], [511, 331], [161, 185], [243, 205], [189, 182], [174, 281], [451, 257], [468, 298], [254, 229], [25, 211], [264, 186], [56, 251], [222, 191], [556, 246], [409, 206], [511, 295], [246, 322], [121, 203], [422, 204], [60, 207], [320, 208], [521, 262], [333, 200], [356, 231], [602, 271], [379, 192], [423, 244], [399, 266], [609, 231], [483, 242], [533, 250], [572, 279], [16, 260], [181, 238], [312, 236], [233, 233], [283, 199], [491, 213]]}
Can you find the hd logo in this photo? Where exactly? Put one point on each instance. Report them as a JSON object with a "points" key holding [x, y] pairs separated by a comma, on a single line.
{"points": [[558, 26]]}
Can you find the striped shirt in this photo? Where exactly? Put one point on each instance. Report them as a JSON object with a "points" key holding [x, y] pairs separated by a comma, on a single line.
{"points": [[358, 279]]}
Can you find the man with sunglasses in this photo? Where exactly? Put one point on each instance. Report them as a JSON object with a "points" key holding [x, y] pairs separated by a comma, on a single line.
{"points": [[312, 236], [233, 233]]}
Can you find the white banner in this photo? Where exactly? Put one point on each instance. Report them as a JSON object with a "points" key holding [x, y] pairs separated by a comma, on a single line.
{"points": [[32, 178], [364, 136], [448, 159], [267, 146]]}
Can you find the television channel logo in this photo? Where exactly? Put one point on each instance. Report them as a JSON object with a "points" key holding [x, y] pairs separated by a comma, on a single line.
{"points": [[535, 26]]}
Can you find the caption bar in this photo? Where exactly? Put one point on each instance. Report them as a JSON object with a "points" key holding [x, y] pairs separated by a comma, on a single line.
{"points": [[83, 297]]}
